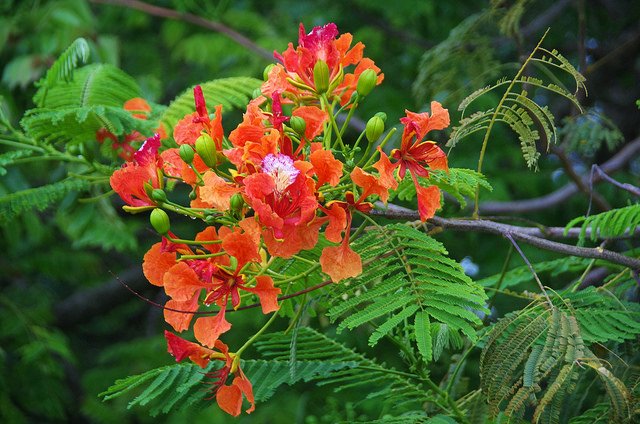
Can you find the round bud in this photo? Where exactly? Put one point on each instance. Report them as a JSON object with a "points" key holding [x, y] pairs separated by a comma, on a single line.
{"points": [[367, 82], [160, 221], [236, 202], [382, 116], [321, 76], [158, 195], [265, 73], [374, 129], [186, 153], [206, 149], [298, 124]]}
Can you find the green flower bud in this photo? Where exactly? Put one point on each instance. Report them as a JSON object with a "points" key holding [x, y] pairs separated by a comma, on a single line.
{"points": [[236, 202], [374, 129], [233, 262], [158, 195], [186, 153], [148, 188], [298, 124], [382, 116], [160, 221], [265, 73], [321, 76], [367, 82], [206, 149]]}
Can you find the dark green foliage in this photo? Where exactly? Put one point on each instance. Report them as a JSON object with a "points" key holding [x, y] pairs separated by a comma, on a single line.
{"points": [[39, 198], [516, 109], [588, 132], [535, 357], [364, 375], [410, 281]]}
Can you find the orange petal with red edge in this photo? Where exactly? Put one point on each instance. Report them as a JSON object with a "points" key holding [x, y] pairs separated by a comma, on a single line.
{"points": [[428, 201], [156, 263], [266, 292], [337, 222], [208, 329], [370, 184], [385, 169], [180, 318], [327, 167], [229, 399], [180, 349], [182, 283], [216, 191], [340, 262]]}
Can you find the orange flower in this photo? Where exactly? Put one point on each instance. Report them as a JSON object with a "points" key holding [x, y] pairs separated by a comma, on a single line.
{"points": [[418, 156], [321, 44], [283, 198], [129, 180], [191, 126], [228, 397]]}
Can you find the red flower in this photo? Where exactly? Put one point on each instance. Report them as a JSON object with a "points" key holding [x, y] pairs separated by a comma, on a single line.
{"points": [[191, 126], [320, 44], [129, 180], [228, 397], [284, 200], [418, 156]]}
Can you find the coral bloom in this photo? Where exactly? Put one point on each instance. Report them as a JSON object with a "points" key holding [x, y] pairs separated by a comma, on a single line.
{"points": [[322, 43], [228, 397], [284, 200], [129, 180], [418, 156], [191, 126]]}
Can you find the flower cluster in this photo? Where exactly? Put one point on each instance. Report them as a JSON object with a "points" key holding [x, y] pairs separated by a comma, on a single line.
{"points": [[283, 176]]}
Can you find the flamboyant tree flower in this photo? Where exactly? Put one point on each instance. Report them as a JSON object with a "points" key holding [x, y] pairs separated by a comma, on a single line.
{"points": [[284, 200], [296, 73], [192, 126], [124, 145], [418, 156], [129, 181], [229, 397]]}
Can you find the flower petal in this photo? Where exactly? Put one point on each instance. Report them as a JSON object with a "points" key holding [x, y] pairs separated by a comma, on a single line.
{"points": [[340, 262], [207, 330], [266, 292]]}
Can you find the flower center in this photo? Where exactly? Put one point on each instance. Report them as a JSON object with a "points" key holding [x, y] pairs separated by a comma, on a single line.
{"points": [[281, 169]]}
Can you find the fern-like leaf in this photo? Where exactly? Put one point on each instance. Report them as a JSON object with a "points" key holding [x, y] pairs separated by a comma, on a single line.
{"points": [[38, 198], [63, 68], [415, 278], [614, 223], [9, 158]]}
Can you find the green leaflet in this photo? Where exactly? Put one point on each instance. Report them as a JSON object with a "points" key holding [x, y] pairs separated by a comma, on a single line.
{"points": [[363, 374], [411, 285], [459, 182], [40, 198], [613, 223], [535, 356], [520, 112], [181, 385]]}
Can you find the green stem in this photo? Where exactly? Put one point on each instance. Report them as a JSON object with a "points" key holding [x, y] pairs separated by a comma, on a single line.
{"points": [[185, 241], [21, 145], [203, 256], [485, 141], [381, 145], [258, 334]]}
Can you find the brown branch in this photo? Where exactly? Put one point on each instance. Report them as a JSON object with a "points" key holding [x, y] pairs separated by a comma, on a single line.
{"points": [[529, 235], [163, 12], [618, 161], [82, 306]]}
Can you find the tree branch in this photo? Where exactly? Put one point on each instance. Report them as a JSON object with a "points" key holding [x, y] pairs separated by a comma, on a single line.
{"points": [[619, 160], [163, 12], [530, 235]]}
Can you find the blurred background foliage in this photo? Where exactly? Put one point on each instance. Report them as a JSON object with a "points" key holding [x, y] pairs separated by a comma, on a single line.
{"points": [[68, 328]]}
